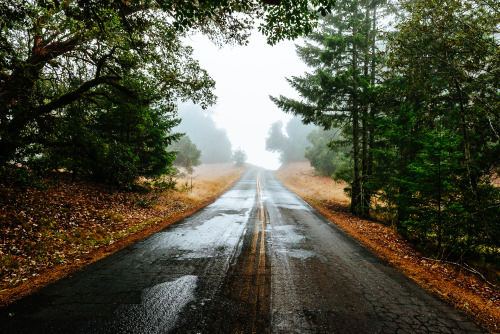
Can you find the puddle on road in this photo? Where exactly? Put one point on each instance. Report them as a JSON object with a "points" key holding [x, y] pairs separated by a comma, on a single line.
{"points": [[297, 253], [287, 234], [158, 311], [218, 234], [237, 199], [287, 240], [297, 206]]}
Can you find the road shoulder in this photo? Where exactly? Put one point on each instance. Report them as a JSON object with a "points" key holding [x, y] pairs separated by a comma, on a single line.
{"points": [[466, 292]]}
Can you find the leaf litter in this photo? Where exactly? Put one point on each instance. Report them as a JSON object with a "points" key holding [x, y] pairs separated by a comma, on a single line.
{"points": [[48, 233]]}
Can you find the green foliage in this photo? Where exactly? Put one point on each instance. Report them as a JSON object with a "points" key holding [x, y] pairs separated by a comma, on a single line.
{"points": [[115, 141], [103, 102], [292, 18], [188, 156], [422, 137], [54, 53], [291, 145], [339, 92], [164, 184], [439, 143], [22, 177], [239, 157], [327, 155], [91, 86]]}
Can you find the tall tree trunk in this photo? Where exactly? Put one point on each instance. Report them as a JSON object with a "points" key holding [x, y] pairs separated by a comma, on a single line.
{"points": [[373, 107], [365, 193], [439, 193], [404, 195], [467, 151], [15, 93], [356, 203]]}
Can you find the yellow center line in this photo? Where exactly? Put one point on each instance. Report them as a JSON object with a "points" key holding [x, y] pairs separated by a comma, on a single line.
{"points": [[262, 251], [253, 293], [244, 293]]}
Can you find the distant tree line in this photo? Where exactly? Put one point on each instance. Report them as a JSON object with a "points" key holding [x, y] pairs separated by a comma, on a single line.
{"points": [[212, 141], [326, 150], [291, 143], [418, 105]]}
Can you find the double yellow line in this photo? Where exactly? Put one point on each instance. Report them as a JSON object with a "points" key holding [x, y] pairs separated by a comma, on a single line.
{"points": [[252, 294], [262, 252]]}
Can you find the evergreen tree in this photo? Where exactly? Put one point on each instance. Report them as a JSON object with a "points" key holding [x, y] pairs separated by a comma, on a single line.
{"points": [[339, 93], [55, 53], [114, 139], [440, 124], [188, 156]]}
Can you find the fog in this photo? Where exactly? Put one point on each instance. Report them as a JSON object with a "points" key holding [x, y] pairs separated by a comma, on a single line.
{"points": [[212, 141], [245, 77]]}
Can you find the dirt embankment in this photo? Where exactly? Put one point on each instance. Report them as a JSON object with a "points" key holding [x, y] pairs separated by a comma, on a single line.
{"points": [[47, 233], [466, 292]]}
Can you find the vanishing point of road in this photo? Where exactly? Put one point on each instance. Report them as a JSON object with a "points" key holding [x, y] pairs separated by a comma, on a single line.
{"points": [[257, 260]]}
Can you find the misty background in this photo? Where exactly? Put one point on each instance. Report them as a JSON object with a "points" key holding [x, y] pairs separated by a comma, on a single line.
{"points": [[245, 77]]}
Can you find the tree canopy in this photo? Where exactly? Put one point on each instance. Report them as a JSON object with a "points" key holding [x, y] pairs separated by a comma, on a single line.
{"points": [[421, 115], [440, 123], [338, 92], [62, 61], [58, 54]]}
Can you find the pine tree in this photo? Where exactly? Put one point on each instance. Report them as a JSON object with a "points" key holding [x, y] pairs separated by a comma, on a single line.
{"points": [[188, 156], [440, 123], [339, 93]]}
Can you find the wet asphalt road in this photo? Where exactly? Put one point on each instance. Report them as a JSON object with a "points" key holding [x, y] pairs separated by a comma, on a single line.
{"points": [[257, 260]]}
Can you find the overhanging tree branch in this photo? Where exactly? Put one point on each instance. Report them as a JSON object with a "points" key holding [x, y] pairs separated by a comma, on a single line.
{"points": [[75, 94]]}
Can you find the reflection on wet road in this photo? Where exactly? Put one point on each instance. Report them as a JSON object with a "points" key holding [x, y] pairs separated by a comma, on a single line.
{"points": [[257, 260]]}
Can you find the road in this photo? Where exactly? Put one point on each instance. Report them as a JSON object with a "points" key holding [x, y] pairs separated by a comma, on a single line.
{"points": [[257, 260]]}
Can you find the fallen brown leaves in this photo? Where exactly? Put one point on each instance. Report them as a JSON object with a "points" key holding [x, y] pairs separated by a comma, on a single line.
{"points": [[46, 234], [463, 290]]}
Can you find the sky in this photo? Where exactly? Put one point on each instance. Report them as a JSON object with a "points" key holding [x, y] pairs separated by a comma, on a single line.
{"points": [[245, 76]]}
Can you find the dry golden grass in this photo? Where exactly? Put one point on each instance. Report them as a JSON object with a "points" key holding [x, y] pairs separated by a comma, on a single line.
{"points": [[466, 292], [208, 180], [300, 178]]}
